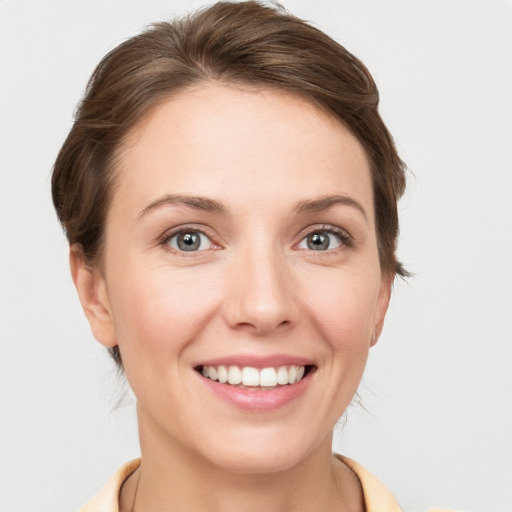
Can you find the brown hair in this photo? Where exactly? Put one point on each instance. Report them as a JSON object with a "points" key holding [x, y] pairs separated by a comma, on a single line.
{"points": [[246, 43]]}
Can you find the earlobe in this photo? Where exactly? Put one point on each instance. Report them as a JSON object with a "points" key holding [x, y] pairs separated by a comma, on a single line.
{"points": [[91, 288], [382, 307]]}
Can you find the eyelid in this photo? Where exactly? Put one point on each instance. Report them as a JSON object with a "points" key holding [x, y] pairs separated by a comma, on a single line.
{"points": [[346, 238], [192, 228]]}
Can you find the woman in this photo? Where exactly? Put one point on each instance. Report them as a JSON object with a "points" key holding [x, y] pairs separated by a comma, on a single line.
{"points": [[229, 194]]}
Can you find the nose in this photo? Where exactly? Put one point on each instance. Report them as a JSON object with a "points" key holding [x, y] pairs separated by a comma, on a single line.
{"points": [[260, 296]]}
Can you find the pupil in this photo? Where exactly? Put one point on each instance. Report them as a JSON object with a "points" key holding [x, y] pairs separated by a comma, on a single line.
{"points": [[189, 241], [318, 241]]}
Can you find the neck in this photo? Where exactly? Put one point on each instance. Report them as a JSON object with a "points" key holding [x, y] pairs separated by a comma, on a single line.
{"points": [[173, 477]]}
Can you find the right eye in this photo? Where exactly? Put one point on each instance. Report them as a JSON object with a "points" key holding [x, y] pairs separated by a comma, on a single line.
{"points": [[188, 241]]}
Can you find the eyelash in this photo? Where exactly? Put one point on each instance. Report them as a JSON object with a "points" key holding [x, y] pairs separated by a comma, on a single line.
{"points": [[169, 235], [345, 238]]}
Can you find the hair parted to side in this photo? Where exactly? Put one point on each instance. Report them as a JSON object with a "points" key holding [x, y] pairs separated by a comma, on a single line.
{"points": [[245, 43]]}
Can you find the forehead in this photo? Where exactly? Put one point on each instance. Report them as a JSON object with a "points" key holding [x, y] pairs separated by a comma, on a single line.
{"points": [[241, 144]]}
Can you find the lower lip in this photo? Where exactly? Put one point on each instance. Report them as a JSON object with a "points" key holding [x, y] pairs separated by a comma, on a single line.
{"points": [[258, 399]]}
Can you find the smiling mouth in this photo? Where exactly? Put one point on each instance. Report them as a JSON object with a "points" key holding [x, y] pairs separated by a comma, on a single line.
{"points": [[248, 377]]}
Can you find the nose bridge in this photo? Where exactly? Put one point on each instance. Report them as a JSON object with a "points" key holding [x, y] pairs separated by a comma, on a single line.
{"points": [[260, 289]]}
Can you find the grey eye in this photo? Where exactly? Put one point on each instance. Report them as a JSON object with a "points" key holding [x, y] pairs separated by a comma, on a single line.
{"points": [[320, 241], [190, 241]]}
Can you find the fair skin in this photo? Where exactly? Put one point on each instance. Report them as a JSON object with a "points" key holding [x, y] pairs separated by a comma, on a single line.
{"points": [[273, 199]]}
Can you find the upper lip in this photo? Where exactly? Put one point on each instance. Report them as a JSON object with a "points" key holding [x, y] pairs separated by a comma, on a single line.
{"points": [[255, 361]]}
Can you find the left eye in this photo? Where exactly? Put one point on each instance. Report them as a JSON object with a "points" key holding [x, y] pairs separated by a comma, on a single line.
{"points": [[190, 241], [320, 241]]}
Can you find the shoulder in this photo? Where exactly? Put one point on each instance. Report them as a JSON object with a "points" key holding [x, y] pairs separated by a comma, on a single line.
{"points": [[107, 500], [377, 497]]}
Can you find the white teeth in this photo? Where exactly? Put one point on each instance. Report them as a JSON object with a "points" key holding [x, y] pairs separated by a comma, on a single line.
{"points": [[234, 375], [223, 374], [249, 376], [282, 375], [268, 377], [212, 373]]}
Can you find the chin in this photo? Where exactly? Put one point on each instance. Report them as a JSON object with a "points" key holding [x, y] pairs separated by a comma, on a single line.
{"points": [[261, 452]]}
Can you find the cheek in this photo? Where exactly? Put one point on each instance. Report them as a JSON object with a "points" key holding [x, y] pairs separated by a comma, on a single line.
{"points": [[157, 311], [343, 308]]}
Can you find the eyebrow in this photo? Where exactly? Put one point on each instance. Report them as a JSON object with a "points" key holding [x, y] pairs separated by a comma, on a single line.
{"points": [[324, 203], [197, 202], [210, 205]]}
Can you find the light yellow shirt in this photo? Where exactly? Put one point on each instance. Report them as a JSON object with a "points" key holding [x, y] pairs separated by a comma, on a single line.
{"points": [[377, 497]]}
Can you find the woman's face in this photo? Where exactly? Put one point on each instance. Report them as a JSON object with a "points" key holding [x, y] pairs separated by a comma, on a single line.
{"points": [[241, 240]]}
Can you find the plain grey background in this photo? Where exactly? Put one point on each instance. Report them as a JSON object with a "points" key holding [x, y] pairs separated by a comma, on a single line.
{"points": [[438, 386]]}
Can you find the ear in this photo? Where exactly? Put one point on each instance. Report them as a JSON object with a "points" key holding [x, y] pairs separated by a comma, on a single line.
{"points": [[382, 307], [92, 292]]}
